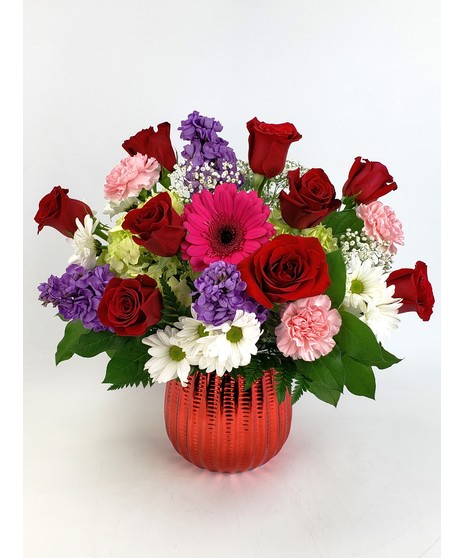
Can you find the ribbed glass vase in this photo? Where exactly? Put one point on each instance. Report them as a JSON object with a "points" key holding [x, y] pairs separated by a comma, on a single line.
{"points": [[217, 425]]}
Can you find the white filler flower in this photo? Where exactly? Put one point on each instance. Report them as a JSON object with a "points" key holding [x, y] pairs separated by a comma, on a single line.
{"points": [[169, 360], [83, 243], [231, 344], [364, 282], [190, 331]]}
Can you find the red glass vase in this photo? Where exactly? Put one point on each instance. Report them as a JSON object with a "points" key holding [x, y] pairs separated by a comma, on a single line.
{"points": [[217, 425]]}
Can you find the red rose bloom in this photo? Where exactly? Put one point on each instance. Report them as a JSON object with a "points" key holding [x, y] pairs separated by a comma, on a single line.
{"points": [[59, 211], [268, 146], [415, 290], [159, 228], [154, 144], [310, 199], [368, 181], [130, 306], [286, 268]]}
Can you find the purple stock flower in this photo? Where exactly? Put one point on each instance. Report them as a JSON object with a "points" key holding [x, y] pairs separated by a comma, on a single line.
{"points": [[205, 146], [77, 293], [201, 127], [220, 292]]}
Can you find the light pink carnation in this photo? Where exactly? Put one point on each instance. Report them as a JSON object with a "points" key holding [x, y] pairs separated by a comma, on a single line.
{"points": [[307, 328], [131, 176], [380, 222]]}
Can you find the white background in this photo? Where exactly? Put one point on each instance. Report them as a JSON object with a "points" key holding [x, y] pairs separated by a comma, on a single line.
{"points": [[356, 78]]}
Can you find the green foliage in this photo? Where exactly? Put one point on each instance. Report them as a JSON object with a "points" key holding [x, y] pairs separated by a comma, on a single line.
{"points": [[66, 347], [83, 342], [324, 377], [172, 308], [359, 377], [357, 340], [337, 273], [126, 366], [340, 221], [127, 354]]}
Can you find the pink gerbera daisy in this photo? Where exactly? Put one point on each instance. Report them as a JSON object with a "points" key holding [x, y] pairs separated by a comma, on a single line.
{"points": [[225, 224]]}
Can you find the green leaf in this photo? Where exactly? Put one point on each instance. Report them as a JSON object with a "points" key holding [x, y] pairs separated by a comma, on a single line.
{"points": [[283, 382], [389, 358], [340, 221], [337, 273], [97, 342], [360, 379], [126, 367], [330, 396], [327, 371], [172, 308], [298, 388], [357, 340], [66, 347]]}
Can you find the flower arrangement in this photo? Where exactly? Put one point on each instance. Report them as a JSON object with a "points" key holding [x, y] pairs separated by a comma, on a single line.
{"points": [[214, 264]]}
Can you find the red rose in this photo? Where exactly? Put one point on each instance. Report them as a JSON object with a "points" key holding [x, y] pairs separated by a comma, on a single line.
{"points": [[286, 268], [268, 146], [159, 228], [310, 199], [154, 144], [415, 290], [130, 306], [59, 211], [368, 181]]}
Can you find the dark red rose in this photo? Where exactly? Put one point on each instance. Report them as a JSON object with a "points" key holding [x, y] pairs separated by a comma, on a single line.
{"points": [[286, 268], [157, 225], [368, 181], [154, 144], [268, 146], [130, 306], [415, 290], [310, 199], [59, 211]]}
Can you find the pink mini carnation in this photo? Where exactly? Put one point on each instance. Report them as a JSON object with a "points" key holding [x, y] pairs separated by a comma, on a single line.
{"points": [[307, 328], [131, 176], [380, 222]]}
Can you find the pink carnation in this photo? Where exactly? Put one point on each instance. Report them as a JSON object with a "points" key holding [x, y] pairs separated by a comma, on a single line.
{"points": [[307, 328], [131, 176], [380, 222]]}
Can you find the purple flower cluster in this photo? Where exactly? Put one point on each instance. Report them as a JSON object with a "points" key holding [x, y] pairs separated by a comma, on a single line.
{"points": [[205, 146], [220, 292], [77, 293]]}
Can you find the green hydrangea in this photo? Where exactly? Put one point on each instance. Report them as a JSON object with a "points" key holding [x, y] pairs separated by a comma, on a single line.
{"points": [[123, 254], [324, 234]]}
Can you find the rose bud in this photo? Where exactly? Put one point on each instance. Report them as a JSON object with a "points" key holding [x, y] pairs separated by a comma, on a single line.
{"points": [[154, 144], [415, 290], [368, 181], [268, 146], [311, 198], [59, 211]]}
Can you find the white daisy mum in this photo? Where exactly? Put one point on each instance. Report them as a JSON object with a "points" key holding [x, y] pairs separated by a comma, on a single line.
{"points": [[364, 282], [190, 331], [169, 359], [380, 313], [115, 207], [231, 344], [83, 243]]}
